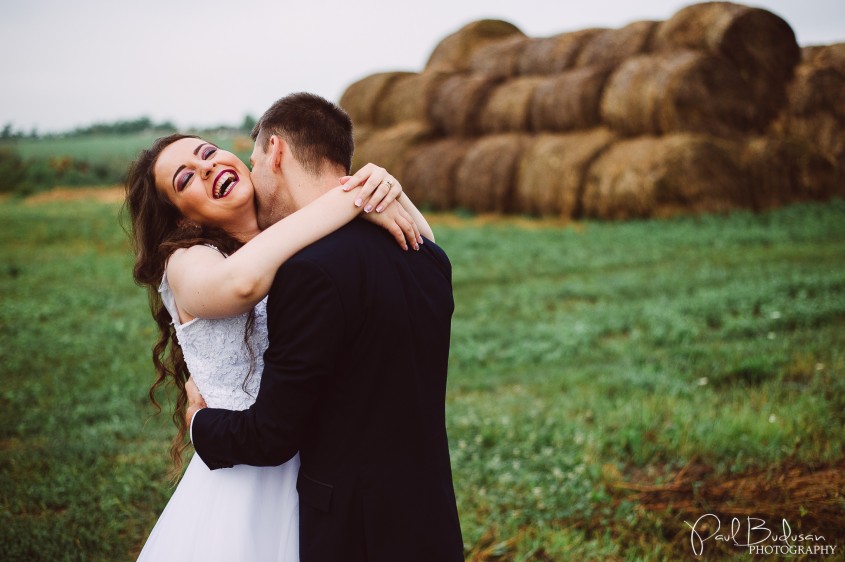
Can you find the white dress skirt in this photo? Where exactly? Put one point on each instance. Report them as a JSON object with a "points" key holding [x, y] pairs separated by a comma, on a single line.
{"points": [[243, 513]]}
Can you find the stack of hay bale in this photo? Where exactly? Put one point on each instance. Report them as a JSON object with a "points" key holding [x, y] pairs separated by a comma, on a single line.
{"points": [[687, 115], [814, 117]]}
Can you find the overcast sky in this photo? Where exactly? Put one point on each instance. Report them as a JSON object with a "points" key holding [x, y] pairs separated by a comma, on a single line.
{"points": [[68, 64]]}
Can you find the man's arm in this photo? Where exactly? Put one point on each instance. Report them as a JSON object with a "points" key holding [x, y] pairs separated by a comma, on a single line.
{"points": [[306, 324]]}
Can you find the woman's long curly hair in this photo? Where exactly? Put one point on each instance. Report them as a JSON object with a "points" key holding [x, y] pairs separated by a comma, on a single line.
{"points": [[156, 229]]}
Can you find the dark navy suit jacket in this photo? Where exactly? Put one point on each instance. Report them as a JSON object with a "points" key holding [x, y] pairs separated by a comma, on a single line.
{"points": [[355, 380]]}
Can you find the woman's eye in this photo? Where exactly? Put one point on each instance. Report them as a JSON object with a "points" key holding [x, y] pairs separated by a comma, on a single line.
{"points": [[184, 179], [208, 152]]}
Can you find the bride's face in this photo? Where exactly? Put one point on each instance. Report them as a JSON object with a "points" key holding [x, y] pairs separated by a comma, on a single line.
{"points": [[208, 185]]}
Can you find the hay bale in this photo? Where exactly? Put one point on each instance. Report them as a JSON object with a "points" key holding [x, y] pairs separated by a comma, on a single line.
{"points": [[499, 59], [456, 103], [832, 56], [569, 100], [508, 107], [360, 134], [453, 53], [661, 176], [550, 178], [784, 170], [388, 147], [613, 46], [551, 55], [824, 131], [360, 100], [817, 87], [430, 172], [486, 176], [759, 43], [407, 98], [679, 91], [753, 39]]}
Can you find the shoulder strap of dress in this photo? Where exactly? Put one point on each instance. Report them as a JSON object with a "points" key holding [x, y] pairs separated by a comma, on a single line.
{"points": [[213, 247]]}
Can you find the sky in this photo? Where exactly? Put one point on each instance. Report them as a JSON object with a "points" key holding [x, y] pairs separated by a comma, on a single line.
{"points": [[202, 63]]}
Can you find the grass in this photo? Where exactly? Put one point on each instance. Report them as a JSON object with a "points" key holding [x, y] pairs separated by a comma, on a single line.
{"points": [[590, 365]]}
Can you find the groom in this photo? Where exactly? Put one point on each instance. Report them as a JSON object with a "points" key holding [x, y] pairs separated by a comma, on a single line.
{"points": [[355, 373]]}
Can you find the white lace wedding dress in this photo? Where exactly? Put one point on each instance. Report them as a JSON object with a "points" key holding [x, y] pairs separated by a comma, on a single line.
{"points": [[244, 513]]}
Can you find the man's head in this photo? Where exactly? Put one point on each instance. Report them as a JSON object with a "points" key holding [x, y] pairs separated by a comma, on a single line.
{"points": [[300, 142]]}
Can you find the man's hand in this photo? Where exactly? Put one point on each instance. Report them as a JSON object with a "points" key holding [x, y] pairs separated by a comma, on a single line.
{"points": [[195, 400]]}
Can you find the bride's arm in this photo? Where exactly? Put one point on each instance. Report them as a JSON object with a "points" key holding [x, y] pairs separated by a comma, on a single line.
{"points": [[207, 285]]}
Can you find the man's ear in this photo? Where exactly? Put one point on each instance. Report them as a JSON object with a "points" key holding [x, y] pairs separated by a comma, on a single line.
{"points": [[276, 148]]}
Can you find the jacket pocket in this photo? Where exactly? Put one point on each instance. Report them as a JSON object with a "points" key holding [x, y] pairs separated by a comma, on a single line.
{"points": [[314, 493]]}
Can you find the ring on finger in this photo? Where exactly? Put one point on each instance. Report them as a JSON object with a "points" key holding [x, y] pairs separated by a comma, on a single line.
{"points": [[389, 184]]}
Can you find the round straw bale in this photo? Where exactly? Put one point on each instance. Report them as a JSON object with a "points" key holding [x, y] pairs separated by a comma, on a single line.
{"points": [[808, 52], [507, 108], [388, 147], [755, 40], [569, 100], [453, 52], [817, 88], [499, 58], [612, 46], [486, 175], [826, 55], [429, 173], [361, 98], [783, 170], [407, 98], [360, 134], [551, 174], [550, 55], [822, 129], [678, 91], [759, 43], [457, 101], [660, 176]]}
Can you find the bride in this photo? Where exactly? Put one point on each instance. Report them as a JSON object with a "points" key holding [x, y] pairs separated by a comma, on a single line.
{"points": [[208, 267]]}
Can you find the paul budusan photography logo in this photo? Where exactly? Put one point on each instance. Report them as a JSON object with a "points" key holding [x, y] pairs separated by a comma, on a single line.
{"points": [[757, 537]]}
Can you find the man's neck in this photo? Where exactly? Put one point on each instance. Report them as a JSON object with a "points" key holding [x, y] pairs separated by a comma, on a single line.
{"points": [[309, 187]]}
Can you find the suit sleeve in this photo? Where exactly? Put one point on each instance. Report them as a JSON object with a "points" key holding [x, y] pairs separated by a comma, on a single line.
{"points": [[305, 321]]}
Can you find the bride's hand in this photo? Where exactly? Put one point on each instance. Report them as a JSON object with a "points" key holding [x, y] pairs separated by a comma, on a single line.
{"points": [[399, 223], [379, 189]]}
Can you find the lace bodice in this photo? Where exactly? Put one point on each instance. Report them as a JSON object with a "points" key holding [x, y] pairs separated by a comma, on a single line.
{"points": [[216, 356]]}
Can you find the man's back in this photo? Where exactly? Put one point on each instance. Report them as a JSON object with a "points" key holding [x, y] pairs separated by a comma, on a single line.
{"points": [[376, 442], [355, 379]]}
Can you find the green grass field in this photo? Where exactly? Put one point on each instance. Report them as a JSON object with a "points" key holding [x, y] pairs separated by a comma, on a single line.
{"points": [[606, 380]]}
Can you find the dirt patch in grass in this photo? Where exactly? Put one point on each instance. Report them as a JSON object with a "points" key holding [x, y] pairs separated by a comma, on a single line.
{"points": [[811, 498], [62, 194]]}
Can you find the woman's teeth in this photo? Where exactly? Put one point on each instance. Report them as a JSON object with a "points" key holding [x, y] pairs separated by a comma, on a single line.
{"points": [[223, 183]]}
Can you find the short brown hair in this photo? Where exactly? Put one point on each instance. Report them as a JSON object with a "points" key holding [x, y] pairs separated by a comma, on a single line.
{"points": [[317, 130]]}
